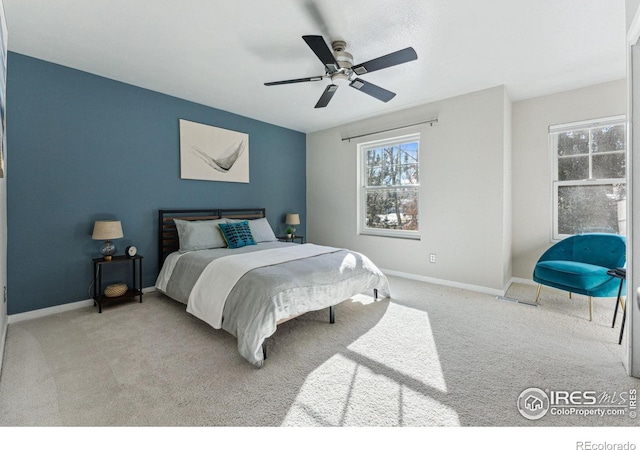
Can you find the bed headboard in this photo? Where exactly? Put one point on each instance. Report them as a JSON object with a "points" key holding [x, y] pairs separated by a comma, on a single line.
{"points": [[168, 234]]}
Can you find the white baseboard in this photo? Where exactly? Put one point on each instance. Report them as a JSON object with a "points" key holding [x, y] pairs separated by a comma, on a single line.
{"points": [[469, 287], [29, 315], [43, 312], [528, 281]]}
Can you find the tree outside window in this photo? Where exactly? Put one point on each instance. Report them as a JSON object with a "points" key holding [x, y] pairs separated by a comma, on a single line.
{"points": [[390, 179], [590, 188]]}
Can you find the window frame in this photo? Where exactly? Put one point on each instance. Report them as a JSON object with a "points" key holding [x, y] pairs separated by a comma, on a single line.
{"points": [[554, 130], [362, 149]]}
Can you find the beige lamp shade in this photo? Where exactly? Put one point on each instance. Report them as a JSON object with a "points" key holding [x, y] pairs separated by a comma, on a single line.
{"points": [[107, 229], [292, 219]]}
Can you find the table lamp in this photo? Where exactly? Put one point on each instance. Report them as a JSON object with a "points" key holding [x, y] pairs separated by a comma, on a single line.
{"points": [[292, 219], [107, 230]]}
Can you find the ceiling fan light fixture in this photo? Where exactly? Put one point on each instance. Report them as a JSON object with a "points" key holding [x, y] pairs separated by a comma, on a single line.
{"points": [[339, 77]]}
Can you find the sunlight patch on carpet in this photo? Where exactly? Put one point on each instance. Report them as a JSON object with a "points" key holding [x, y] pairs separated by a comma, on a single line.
{"points": [[403, 341], [390, 376], [360, 396]]}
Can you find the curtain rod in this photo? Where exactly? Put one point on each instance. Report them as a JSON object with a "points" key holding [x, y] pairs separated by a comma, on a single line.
{"points": [[430, 122]]}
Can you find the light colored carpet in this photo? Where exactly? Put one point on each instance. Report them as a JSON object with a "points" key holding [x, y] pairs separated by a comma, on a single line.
{"points": [[430, 356]]}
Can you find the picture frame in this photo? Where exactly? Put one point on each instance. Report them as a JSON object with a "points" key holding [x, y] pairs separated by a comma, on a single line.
{"points": [[213, 154]]}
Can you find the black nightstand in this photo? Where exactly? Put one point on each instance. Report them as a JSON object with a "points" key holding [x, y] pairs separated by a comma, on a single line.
{"points": [[135, 291], [291, 239]]}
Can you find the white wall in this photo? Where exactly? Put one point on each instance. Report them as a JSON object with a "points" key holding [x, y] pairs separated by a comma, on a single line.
{"points": [[532, 199], [631, 6], [464, 197]]}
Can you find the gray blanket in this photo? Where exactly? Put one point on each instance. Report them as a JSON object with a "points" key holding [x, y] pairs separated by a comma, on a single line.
{"points": [[267, 294]]}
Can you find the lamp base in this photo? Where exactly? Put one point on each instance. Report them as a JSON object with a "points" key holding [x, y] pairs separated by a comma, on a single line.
{"points": [[107, 250]]}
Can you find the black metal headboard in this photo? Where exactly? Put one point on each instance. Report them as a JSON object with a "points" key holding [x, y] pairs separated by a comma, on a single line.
{"points": [[168, 241]]}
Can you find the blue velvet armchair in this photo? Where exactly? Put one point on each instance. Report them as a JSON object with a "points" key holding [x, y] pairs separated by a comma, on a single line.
{"points": [[580, 263]]}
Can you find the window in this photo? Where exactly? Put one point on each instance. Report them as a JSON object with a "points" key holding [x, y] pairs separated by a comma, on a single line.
{"points": [[589, 184], [390, 183]]}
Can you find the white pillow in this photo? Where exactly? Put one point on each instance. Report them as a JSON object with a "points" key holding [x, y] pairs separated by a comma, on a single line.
{"points": [[199, 234], [260, 229]]}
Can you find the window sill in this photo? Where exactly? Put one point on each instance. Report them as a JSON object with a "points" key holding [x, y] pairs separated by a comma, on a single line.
{"points": [[391, 234]]}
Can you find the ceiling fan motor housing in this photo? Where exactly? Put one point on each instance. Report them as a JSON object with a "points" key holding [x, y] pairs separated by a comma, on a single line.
{"points": [[344, 59]]}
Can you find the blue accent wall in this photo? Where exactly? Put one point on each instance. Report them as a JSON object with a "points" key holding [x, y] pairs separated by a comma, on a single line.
{"points": [[84, 148]]}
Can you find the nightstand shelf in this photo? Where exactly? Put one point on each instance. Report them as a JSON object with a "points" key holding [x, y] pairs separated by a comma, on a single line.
{"points": [[99, 264], [291, 239]]}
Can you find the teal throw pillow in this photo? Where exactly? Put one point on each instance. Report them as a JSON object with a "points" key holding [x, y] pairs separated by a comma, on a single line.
{"points": [[237, 234]]}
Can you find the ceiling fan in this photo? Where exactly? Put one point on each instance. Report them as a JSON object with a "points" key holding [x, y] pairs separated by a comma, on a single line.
{"points": [[339, 67]]}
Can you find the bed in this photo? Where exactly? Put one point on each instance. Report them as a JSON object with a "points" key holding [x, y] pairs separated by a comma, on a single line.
{"points": [[231, 271]]}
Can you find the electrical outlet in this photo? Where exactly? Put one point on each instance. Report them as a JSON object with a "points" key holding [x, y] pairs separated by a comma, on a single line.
{"points": [[432, 257]]}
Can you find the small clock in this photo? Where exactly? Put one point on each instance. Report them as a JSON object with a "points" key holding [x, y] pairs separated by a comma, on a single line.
{"points": [[131, 251]]}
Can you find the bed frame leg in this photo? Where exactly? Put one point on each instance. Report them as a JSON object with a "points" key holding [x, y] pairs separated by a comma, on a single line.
{"points": [[264, 349], [332, 314]]}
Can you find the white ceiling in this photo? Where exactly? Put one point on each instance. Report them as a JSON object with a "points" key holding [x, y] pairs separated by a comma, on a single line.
{"points": [[220, 52]]}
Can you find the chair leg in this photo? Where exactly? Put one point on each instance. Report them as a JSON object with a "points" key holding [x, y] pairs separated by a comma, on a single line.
{"points": [[570, 294], [538, 293], [590, 309]]}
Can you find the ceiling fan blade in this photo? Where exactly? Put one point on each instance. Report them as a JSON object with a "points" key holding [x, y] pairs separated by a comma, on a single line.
{"points": [[372, 90], [322, 51], [392, 59], [297, 80], [326, 96]]}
